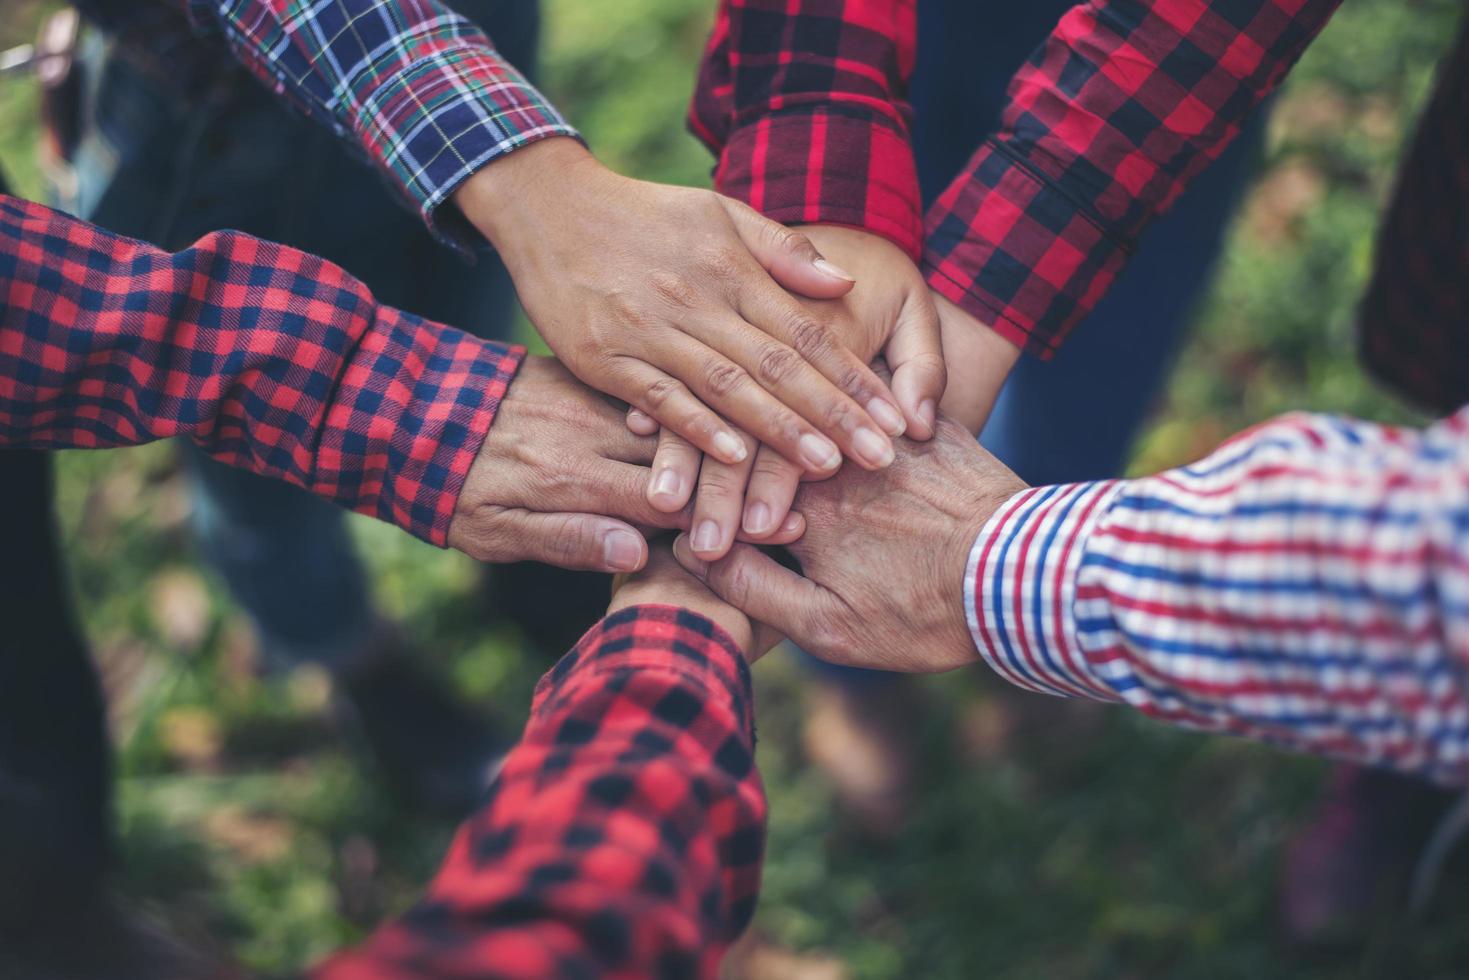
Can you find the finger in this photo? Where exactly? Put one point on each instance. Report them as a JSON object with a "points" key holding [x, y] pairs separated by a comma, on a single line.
{"points": [[641, 422], [599, 486], [669, 401], [718, 505], [791, 529], [583, 542], [789, 256], [774, 312], [759, 586], [675, 471], [728, 388], [915, 352], [771, 490], [796, 384]]}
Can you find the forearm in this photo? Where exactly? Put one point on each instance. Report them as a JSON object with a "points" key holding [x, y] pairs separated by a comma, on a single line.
{"points": [[805, 105], [624, 836], [1107, 123], [419, 88], [1306, 586], [979, 360], [268, 358]]}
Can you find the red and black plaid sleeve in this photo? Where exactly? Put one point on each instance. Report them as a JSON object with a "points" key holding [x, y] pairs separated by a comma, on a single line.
{"points": [[1412, 324], [270, 359], [1108, 121], [623, 838], [804, 102]]}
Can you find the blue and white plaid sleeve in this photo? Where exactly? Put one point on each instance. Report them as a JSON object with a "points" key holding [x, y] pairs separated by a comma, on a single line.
{"points": [[417, 86]]}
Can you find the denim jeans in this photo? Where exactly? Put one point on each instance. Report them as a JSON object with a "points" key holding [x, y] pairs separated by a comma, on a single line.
{"points": [[1074, 417], [169, 166]]}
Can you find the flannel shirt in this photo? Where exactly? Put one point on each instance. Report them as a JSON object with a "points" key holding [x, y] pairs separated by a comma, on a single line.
{"points": [[1307, 585], [624, 836], [1411, 324], [419, 88], [803, 101], [268, 358]]}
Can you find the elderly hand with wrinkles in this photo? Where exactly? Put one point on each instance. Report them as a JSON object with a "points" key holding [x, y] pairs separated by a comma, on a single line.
{"points": [[882, 560], [561, 480]]}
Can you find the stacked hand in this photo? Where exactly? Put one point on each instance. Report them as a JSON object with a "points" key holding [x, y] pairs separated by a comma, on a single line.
{"points": [[887, 312], [882, 559], [560, 479], [675, 301]]}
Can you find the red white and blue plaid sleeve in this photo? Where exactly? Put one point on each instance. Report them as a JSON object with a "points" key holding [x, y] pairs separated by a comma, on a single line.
{"points": [[624, 836], [1306, 585], [270, 359], [804, 102], [419, 87]]}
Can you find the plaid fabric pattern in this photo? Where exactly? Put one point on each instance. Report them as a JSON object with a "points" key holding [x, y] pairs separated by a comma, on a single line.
{"points": [[1412, 323], [803, 104], [624, 837], [418, 87], [1107, 122], [270, 359], [1306, 585]]}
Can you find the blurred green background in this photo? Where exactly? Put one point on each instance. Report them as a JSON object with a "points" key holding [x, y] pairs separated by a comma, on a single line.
{"points": [[1058, 842]]}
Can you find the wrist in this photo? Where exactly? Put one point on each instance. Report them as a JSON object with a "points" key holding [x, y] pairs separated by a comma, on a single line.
{"points": [[701, 603], [500, 198], [979, 360]]}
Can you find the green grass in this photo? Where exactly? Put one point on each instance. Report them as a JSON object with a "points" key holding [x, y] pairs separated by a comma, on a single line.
{"points": [[1066, 842]]}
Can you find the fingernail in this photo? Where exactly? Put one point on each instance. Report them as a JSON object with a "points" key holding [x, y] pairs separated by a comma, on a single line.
{"points": [[622, 550], [691, 562], [834, 270], [886, 416], [706, 537], [791, 523], [873, 448], [820, 454], [730, 446], [757, 519], [667, 484], [928, 410]]}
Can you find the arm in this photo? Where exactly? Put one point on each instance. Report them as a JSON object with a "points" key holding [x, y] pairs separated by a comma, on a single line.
{"points": [[280, 363], [1306, 585], [268, 358], [625, 834], [417, 87], [1123, 105]]}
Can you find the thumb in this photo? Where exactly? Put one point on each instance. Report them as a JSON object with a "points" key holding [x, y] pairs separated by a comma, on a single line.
{"points": [[789, 256], [762, 588], [915, 352]]}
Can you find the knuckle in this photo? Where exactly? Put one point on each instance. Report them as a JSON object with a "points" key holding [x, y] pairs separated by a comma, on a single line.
{"points": [[777, 363], [661, 392], [852, 378], [564, 540], [808, 335], [725, 378], [674, 289], [838, 416], [793, 241], [721, 261]]}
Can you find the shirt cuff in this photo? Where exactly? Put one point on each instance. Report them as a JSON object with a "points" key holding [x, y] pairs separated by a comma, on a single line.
{"points": [[825, 165], [1014, 250], [657, 637], [436, 121], [411, 410], [1020, 588]]}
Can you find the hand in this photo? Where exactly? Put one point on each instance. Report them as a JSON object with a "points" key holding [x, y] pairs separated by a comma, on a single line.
{"points": [[888, 312], [664, 297], [664, 582], [883, 557], [557, 459], [979, 361]]}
